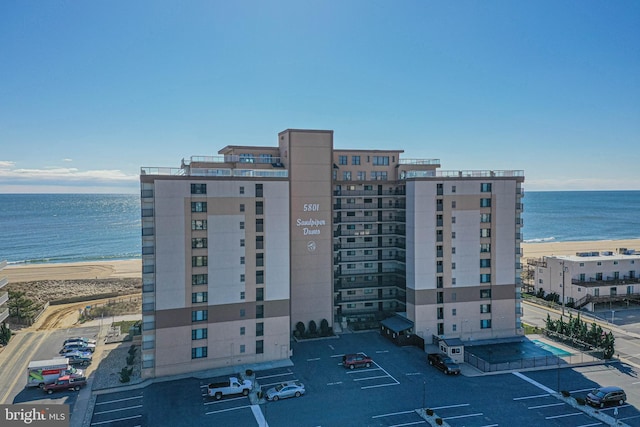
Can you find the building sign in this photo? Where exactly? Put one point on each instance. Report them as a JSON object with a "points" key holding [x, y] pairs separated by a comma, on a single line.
{"points": [[311, 226]]}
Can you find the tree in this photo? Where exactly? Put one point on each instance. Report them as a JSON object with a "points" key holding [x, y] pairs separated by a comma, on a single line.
{"points": [[551, 326], [324, 327], [609, 348], [5, 334], [300, 328], [20, 306]]}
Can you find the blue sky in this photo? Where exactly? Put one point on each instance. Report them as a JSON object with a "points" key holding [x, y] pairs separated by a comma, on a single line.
{"points": [[92, 91]]}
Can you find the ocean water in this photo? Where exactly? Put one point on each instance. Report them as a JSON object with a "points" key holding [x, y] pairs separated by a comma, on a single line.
{"points": [[40, 228], [580, 215]]}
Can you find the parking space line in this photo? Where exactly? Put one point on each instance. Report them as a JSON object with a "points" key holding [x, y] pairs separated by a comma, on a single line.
{"points": [[563, 415], [546, 406], [227, 410], [353, 371], [393, 413], [225, 400], [535, 383], [413, 373], [259, 416], [532, 397], [313, 360], [336, 383], [116, 410], [581, 390], [478, 414], [590, 425], [118, 419], [452, 406], [370, 378], [382, 351], [490, 425], [376, 386], [275, 375], [119, 400], [387, 373]]}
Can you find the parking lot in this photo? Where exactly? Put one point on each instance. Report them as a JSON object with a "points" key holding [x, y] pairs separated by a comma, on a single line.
{"points": [[388, 393]]}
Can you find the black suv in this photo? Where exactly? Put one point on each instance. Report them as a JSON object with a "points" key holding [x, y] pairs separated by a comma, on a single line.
{"points": [[604, 396], [356, 360]]}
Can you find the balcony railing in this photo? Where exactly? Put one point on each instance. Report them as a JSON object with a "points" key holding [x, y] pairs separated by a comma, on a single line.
{"points": [[148, 326], [427, 162], [463, 173], [4, 297], [4, 313], [149, 287], [374, 192], [609, 281], [148, 307], [3, 282]]}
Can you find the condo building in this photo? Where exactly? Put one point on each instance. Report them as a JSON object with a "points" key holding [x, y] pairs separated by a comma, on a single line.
{"points": [[4, 295], [588, 279], [240, 247]]}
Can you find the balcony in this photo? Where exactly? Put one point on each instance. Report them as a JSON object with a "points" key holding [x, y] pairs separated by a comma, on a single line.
{"points": [[610, 281], [149, 287], [354, 206], [3, 282], [147, 213], [4, 313], [148, 326], [148, 307], [374, 192], [4, 297], [349, 219]]}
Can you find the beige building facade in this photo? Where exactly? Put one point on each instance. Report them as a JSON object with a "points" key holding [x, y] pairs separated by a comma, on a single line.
{"points": [[239, 248]]}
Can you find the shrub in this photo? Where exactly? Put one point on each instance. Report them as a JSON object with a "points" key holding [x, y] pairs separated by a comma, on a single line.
{"points": [[565, 393], [324, 327], [430, 412], [439, 421], [125, 374], [580, 401], [300, 328], [130, 359], [248, 372], [313, 329], [132, 350]]}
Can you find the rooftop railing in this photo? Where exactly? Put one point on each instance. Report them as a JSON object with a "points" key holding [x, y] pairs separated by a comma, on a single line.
{"points": [[223, 172], [463, 174], [419, 161]]}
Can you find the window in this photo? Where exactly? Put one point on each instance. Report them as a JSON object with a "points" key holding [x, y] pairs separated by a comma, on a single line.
{"points": [[351, 227], [242, 260], [439, 282], [259, 208], [199, 334], [453, 280], [485, 263], [199, 224], [197, 243], [439, 205], [362, 176], [242, 348], [199, 279], [485, 203], [351, 214], [346, 176], [453, 234], [198, 206], [379, 176], [453, 250], [199, 261], [355, 160], [199, 315], [241, 190], [241, 225], [259, 329], [485, 278], [247, 158], [242, 330], [440, 298], [242, 295], [453, 220], [259, 277], [368, 213], [259, 346], [241, 207], [259, 189], [485, 217], [199, 352], [454, 311], [453, 329], [485, 232], [485, 324], [242, 243], [197, 297], [453, 188], [368, 265], [381, 160], [485, 293], [439, 189], [485, 187], [259, 225], [454, 296], [198, 188], [259, 294], [259, 242], [485, 308], [485, 247], [259, 311], [242, 312], [259, 260], [453, 204], [242, 278], [342, 160]]}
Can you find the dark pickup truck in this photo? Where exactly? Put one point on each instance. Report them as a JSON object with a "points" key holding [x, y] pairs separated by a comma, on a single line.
{"points": [[444, 363], [66, 382]]}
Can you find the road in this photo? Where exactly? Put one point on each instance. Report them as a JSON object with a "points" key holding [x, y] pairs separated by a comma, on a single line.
{"points": [[627, 342]]}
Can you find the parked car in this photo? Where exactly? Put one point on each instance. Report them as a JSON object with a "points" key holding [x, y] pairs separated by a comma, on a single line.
{"points": [[284, 390], [80, 339], [78, 347], [444, 363], [604, 396], [356, 360], [79, 358], [66, 382]]}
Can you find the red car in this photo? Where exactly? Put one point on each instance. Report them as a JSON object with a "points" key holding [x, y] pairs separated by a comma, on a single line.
{"points": [[356, 360], [66, 382]]}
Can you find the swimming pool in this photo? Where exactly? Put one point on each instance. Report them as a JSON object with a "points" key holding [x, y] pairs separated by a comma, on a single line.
{"points": [[555, 350]]}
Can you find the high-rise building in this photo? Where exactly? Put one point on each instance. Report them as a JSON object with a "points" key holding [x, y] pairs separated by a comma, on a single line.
{"points": [[239, 248]]}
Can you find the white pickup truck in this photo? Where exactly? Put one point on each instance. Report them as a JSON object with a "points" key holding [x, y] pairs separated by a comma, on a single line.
{"points": [[233, 386]]}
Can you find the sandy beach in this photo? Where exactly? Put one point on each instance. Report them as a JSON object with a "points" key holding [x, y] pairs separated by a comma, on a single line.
{"points": [[133, 268], [538, 250]]}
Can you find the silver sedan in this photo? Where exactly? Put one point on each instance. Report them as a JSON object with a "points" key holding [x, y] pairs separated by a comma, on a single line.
{"points": [[284, 390]]}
